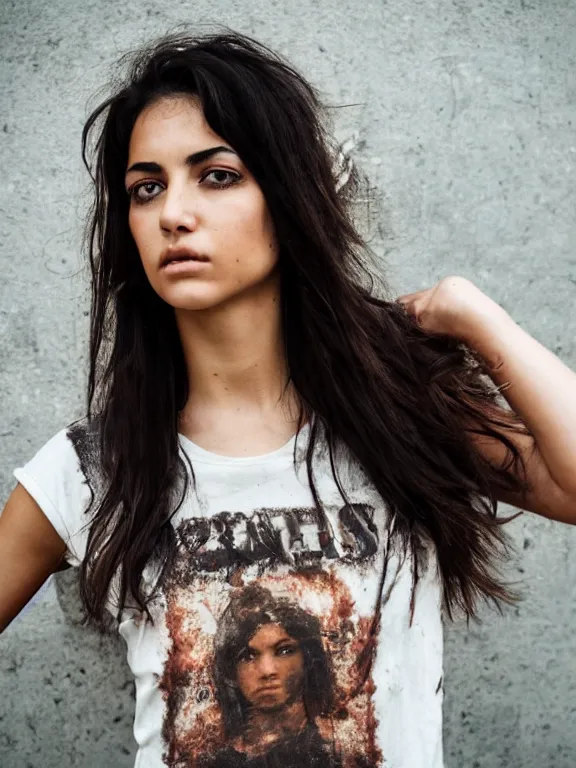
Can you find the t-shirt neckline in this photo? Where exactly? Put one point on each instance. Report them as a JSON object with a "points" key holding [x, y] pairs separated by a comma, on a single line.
{"points": [[208, 457]]}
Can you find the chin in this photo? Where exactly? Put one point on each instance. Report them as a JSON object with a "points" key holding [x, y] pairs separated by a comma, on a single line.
{"points": [[270, 704], [197, 296], [195, 299]]}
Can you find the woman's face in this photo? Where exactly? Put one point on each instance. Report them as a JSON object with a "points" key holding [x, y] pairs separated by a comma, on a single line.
{"points": [[208, 204], [271, 669]]}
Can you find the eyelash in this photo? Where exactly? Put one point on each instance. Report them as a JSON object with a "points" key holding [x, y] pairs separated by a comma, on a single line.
{"points": [[132, 192], [285, 650]]}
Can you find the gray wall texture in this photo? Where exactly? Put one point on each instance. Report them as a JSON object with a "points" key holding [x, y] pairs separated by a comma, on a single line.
{"points": [[464, 114]]}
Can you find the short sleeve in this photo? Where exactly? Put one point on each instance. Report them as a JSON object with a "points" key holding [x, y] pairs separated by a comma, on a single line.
{"points": [[54, 479]]}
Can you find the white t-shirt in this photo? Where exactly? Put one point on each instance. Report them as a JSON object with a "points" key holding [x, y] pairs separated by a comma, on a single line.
{"points": [[268, 648]]}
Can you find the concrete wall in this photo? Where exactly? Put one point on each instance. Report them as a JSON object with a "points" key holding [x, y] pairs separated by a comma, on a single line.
{"points": [[465, 114]]}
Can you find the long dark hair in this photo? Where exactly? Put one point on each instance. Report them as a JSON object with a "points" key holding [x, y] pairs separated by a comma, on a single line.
{"points": [[250, 609], [401, 400]]}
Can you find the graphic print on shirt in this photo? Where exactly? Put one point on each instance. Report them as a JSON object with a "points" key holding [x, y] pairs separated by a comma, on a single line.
{"points": [[269, 660]]}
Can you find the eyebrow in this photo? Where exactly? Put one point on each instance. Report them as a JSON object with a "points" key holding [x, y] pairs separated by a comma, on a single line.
{"points": [[195, 159]]}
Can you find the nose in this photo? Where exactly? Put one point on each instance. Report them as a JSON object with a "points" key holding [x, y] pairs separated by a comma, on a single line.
{"points": [[178, 212], [267, 666]]}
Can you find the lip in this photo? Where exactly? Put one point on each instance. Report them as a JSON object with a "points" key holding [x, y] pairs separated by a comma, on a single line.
{"points": [[173, 257], [269, 689], [185, 267]]}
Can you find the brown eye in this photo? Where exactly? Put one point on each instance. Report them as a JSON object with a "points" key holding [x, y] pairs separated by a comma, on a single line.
{"points": [[247, 655], [135, 195], [221, 178]]}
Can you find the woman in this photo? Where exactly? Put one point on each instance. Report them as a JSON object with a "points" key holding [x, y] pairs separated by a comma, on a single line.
{"points": [[273, 678], [233, 316]]}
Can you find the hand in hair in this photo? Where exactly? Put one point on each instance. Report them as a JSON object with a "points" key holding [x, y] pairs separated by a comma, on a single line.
{"points": [[452, 307], [536, 384]]}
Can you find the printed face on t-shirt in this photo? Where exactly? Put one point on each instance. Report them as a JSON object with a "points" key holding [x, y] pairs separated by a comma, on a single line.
{"points": [[270, 670]]}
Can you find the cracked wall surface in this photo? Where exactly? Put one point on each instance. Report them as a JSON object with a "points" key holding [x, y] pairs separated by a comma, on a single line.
{"points": [[463, 114]]}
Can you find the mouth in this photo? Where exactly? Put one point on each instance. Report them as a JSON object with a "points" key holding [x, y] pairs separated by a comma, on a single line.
{"points": [[178, 255], [268, 689]]}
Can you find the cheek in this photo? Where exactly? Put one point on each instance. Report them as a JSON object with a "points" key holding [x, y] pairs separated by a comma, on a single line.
{"points": [[251, 220], [134, 224], [139, 227], [292, 668], [293, 683], [244, 678], [146, 245]]}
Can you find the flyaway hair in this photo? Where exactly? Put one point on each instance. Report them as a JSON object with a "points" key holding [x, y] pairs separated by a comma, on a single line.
{"points": [[403, 401]]}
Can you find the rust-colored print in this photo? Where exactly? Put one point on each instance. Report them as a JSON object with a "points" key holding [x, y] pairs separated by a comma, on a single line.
{"points": [[266, 668]]}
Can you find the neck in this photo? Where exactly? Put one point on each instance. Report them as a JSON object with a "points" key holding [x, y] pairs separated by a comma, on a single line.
{"points": [[235, 355]]}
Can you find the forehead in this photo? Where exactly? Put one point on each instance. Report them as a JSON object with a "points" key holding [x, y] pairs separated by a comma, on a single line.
{"points": [[269, 634], [171, 122]]}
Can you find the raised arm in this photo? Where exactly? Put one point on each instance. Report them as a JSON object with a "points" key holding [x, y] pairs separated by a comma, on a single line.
{"points": [[540, 389]]}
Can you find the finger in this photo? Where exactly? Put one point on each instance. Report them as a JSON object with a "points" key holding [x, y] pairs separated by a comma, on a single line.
{"points": [[413, 296], [406, 300], [411, 309]]}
